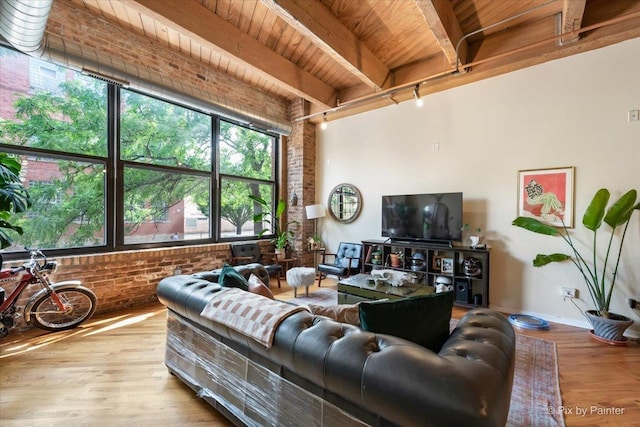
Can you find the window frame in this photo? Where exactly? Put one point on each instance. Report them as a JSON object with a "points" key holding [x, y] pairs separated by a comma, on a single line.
{"points": [[115, 167]]}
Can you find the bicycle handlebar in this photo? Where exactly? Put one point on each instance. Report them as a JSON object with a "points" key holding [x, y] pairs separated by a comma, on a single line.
{"points": [[34, 253]]}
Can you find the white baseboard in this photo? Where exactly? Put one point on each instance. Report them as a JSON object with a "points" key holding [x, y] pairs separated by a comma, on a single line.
{"points": [[558, 319]]}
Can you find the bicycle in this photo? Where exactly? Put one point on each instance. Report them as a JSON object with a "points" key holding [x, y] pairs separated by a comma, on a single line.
{"points": [[55, 307]]}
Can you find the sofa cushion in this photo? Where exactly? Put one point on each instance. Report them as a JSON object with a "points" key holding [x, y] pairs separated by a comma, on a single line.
{"points": [[343, 313], [231, 278], [257, 286], [423, 320]]}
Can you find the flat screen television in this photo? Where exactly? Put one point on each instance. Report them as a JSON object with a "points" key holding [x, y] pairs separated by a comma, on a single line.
{"points": [[433, 218]]}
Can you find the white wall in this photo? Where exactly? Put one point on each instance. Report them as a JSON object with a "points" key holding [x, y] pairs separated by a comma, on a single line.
{"points": [[569, 112]]}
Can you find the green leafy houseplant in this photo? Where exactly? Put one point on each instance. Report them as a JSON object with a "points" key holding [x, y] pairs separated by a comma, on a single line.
{"points": [[595, 271], [283, 234], [14, 198]]}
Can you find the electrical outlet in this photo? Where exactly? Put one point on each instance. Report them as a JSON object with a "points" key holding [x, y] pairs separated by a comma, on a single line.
{"points": [[568, 292], [634, 115]]}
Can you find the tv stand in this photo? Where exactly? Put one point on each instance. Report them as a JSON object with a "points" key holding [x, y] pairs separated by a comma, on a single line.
{"points": [[434, 243], [441, 259]]}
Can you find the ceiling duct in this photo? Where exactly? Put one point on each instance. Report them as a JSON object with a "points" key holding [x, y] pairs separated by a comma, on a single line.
{"points": [[23, 23]]}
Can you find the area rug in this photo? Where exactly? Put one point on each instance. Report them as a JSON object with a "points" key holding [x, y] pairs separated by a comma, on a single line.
{"points": [[318, 296], [535, 397]]}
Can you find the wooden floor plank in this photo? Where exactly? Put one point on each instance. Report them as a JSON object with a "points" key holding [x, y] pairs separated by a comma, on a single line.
{"points": [[111, 372]]}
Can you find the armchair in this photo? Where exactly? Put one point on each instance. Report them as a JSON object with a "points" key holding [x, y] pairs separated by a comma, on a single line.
{"points": [[346, 258], [247, 253]]}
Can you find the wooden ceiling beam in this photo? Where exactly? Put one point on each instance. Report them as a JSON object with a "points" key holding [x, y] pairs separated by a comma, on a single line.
{"points": [[443, 23], [572, 14], [204, 26], [314, 21], [500, 54]]}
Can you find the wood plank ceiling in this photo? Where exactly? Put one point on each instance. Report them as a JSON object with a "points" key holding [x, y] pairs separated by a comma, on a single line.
{"points": [[349, 56]]}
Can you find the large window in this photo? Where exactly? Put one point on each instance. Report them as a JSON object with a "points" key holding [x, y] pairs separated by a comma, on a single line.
{"points": [[246, 167], [110, 168]]}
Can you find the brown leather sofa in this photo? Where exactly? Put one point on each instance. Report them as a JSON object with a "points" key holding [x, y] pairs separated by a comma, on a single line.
{"points": [[321, 372]]}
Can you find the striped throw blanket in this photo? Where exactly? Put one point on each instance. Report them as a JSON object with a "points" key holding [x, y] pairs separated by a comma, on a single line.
{"points": [[251, 314]]}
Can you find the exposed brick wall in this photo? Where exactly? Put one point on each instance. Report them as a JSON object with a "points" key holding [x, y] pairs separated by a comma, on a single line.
{"points": [[80, 33], [301, 171], [128, 279]]}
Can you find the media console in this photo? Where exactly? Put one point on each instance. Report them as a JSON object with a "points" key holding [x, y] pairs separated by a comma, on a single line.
{"points": [[465, 268]]}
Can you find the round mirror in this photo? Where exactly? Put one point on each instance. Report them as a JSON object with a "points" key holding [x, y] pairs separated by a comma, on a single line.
{"points": [[345, 203]]}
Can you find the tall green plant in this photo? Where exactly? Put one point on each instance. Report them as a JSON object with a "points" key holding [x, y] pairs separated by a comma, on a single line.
{"points": [[14, 198], [283, 234], [594, 273]]}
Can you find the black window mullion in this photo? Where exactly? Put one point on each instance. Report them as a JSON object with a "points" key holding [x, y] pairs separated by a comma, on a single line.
{"points": [[114, 208], [216, 186]]}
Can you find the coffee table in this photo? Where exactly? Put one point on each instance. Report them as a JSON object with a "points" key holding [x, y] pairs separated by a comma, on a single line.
{"points": [[360, 287]]}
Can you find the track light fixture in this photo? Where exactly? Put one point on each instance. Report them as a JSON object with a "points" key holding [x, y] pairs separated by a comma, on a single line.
{"points": [[416, 95], [323, 126]]}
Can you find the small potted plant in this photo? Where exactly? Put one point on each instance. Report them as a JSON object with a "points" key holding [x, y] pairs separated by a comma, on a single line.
{"points": [[595, 268], [283, 234], [314, 243]]}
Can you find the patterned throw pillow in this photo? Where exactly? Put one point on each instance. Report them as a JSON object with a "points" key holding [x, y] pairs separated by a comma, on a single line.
{"points": [[343, 313], [257, 286], [230, 278]]}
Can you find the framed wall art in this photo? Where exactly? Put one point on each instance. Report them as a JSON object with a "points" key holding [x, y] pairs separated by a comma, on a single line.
{"points": [[447, 265], [436, 264], [547, 195]]}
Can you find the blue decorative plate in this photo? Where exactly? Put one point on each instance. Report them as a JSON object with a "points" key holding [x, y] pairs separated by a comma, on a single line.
{"points": [[525, 321]]}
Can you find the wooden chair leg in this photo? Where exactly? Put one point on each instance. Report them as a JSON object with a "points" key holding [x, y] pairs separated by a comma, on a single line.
{"points": [[319, 278], [278, 278]]}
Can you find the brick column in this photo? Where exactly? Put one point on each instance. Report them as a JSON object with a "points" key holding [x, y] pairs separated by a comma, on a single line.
{"points": [[301, 175]]}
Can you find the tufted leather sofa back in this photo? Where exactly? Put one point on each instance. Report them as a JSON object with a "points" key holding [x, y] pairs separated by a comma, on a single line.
{"points": [[246, 270], [467, 383]]}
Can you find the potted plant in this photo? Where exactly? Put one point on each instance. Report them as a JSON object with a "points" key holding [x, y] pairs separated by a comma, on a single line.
{"points": [[14, 198], [595, 270], [281, 235], [314, 242], [281, 240]]}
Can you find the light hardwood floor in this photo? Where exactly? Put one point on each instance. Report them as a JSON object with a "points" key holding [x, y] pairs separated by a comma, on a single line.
{"points": [[110, 372]]}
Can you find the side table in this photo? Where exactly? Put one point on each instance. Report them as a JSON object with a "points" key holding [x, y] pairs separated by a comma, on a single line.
{"points": [[316, 252], [287, 263]]}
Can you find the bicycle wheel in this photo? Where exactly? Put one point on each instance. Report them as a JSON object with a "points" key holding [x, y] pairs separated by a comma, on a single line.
{"points": [[80, 305]]}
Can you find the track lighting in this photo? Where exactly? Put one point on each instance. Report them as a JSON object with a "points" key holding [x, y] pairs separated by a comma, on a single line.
{"points": [[323, 126], [416, 95]]}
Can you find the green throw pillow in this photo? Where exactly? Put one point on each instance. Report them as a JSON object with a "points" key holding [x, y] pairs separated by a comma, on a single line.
{"points": [[423, 320], [230, 278]]}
